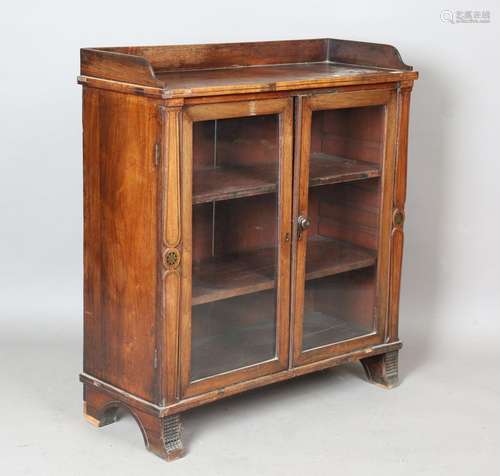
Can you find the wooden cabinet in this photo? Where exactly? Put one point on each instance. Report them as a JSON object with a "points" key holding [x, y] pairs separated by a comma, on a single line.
{"points": [[244, 208]]}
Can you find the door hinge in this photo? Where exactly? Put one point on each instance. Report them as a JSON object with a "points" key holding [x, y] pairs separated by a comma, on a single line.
{"points": [[155, 360], [157, 155]]}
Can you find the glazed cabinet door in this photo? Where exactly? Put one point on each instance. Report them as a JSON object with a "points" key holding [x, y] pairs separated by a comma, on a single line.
{"points": [[342, 213], [237, 177]]}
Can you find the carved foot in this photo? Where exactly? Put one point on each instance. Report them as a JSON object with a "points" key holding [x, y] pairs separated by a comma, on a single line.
{"points": [[382, 370], [162, 435], [98, 410], [106, 418]]}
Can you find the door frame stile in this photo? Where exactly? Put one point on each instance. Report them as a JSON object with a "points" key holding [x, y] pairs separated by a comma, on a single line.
{"points": [[301, 190]]}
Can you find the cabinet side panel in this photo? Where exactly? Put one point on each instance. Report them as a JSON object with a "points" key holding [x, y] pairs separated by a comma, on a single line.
{"points": [[92, 236], [120, 240]]}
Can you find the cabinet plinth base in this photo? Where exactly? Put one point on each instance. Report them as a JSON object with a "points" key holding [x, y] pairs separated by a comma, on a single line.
{"points": [[382, 370], [162, 435]]}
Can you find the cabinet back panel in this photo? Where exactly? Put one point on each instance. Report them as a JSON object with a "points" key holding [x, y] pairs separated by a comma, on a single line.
{"points": [[245, 224], [234, 226], [203, 144], [233, 333], [350, 212], [349, 297], [237, 142], [247, 141], [202, 231], [355, 133]]}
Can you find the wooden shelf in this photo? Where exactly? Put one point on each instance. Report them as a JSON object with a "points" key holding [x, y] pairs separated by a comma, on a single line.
{"points": [[225, 183], [231, 276], [326, 256], [327, 169]]}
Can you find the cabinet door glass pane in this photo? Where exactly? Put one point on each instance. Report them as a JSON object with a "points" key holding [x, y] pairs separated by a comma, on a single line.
{"points": [[235, 222], [347, 150]]}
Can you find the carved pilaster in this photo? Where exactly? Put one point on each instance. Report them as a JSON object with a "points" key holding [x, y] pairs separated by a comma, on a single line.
{"points": [[171, 248], [397, 234]]}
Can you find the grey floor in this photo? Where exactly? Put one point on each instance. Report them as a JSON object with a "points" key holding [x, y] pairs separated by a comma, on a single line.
{"points": [[443, 419]]}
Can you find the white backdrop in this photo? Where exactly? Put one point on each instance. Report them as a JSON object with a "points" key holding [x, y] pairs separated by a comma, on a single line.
{"points": [[452, 251], [451, 286]]}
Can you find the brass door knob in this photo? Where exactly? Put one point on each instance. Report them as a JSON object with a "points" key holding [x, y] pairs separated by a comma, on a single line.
{"points": [[304, 223]]}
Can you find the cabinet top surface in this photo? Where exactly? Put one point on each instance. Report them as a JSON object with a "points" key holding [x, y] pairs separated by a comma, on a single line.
{"points": [[233, 68]]}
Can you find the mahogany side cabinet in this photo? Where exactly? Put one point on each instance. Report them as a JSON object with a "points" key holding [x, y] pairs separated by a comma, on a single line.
{"points": [[243, 221]]}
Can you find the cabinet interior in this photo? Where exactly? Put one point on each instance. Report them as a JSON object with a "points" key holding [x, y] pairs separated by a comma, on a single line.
{"points": [[234, 229], [341, 306]]}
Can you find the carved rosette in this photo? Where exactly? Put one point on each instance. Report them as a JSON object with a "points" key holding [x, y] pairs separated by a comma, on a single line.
{"points": [[171, 259]]}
